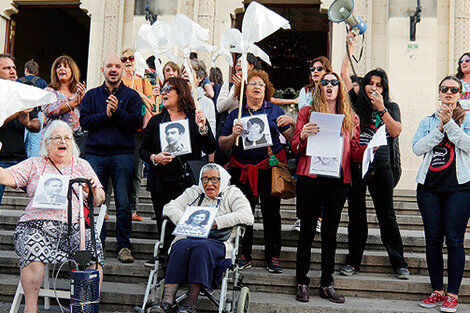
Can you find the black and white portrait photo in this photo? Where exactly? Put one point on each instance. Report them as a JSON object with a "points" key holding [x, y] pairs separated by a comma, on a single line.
{"points": [[174, 137], [196, 222], [51, 192], [256, 132]]}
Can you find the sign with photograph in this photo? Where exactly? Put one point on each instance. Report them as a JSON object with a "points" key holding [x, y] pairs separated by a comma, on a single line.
{"points": [[196, 222], [51, 192], [327, 166], [175, 138], [256, 132]]}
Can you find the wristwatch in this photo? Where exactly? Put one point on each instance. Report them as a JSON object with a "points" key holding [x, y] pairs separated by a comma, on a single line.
{"points": [[381, 113]]}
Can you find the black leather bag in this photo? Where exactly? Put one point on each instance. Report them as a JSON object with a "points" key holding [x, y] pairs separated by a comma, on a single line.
{"points": [[221, 234], [191, 172]]}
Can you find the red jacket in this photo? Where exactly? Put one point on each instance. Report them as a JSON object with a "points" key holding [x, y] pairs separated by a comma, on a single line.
{"points": [[351, 148]]}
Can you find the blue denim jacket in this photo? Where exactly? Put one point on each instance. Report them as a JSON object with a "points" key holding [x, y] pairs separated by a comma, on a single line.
{"points": [[428, 136]]}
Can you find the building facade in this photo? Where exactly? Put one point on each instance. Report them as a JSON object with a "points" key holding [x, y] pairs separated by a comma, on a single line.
{"points": [[94, 29]]}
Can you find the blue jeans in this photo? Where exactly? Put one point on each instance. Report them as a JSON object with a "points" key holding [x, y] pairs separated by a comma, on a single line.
{"points": [[120, 168], [5, 164], [445, 214], [32, 141]]}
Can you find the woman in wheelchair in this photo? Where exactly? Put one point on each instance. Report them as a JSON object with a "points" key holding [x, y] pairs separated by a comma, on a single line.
{"points": [[201, 262]]}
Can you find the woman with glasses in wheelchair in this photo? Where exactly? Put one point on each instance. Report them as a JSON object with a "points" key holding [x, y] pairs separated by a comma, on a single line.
{"points": [[202, 262]]}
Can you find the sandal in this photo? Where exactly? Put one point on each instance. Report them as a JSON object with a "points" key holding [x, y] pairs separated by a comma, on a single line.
{"points": [[186, 309]]}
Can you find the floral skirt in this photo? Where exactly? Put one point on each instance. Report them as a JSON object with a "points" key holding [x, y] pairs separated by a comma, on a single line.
{"points": [[47, 241]]}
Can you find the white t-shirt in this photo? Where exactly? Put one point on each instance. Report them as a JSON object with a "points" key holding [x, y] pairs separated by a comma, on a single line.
{"points": [[465, 96]]}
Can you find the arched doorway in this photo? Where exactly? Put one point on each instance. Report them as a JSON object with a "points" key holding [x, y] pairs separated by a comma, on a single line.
{"points": [[291, 50], [46, 32]]}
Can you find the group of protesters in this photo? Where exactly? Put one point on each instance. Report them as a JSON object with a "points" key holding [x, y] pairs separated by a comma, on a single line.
{"points": [[131, 122]]}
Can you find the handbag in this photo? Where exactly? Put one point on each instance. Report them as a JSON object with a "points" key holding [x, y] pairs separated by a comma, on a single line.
{"points": [[191, 170], [395, 160], [282, 182]]}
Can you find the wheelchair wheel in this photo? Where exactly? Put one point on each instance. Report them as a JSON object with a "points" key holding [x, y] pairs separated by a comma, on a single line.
{"points": [[243, 304]]}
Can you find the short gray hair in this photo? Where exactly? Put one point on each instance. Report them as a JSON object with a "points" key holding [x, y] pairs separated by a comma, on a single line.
{"points": [[47, 134]]}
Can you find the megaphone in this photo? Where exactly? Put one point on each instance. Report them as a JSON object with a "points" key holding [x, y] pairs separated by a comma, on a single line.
{"points": [[341, 11]]}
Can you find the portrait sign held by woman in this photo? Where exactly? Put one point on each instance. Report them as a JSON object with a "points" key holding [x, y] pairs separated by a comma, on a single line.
{"points": [[256, 132], [175, 137], [196, 222]]}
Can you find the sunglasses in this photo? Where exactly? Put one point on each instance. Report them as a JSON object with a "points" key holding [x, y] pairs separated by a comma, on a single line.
{"points": [[445, 89], [167, 89], [464, 60], [130, 58], [318, 68], [333, 82]]}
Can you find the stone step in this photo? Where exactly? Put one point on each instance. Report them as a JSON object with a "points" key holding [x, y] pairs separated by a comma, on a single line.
{"points": [[370, 285]]}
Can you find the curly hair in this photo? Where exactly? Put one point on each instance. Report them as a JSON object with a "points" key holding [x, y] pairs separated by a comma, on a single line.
{"points": [[326, 64], [185, 101], [343, 104], [268, 90], [74, 79]]}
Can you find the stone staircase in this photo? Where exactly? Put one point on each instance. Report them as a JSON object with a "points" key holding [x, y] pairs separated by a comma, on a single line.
{"points": [[375, 289]]}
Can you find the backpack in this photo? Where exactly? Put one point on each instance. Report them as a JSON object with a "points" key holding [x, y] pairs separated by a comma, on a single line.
{"points": [[32, 82]]}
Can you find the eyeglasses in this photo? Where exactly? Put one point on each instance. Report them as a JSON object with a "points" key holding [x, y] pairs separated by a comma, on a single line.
{"points": [[464, 60], [167, 89], [445, 89], [213, 180], [58, 139], [130, 58], [259, 84], [318, 68], [333, 82]]}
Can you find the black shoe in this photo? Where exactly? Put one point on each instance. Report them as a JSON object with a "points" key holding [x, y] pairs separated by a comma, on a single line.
{"points": [[348, 270], [150, 263], [244, 263], [330, 294], [161, 307], [274, 266], [302, 293], [403, 273]]}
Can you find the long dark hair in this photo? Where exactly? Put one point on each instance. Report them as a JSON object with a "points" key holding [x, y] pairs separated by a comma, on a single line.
{"points": [[459, 113], [74, 79], [326, 64], [185, 102], [363, 106], [460, 74], [204, 222]]}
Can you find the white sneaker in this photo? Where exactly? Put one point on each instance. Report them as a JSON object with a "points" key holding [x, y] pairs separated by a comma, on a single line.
{"points": [[296, 226], [318, 226]]}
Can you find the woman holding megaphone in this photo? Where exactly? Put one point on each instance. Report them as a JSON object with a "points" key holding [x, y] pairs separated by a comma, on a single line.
{"points": [[374, 108]]}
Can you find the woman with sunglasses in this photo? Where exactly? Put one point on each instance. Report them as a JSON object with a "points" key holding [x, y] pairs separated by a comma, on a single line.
{"points": [[330, 96], [374, 108], [166, 171], [443, 192], [320, 66], [251, 169], [463, 73], [65, 84], [144, 88]]}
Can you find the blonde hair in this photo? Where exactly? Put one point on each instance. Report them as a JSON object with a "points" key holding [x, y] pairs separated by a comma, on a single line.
{"points": [[343, 104], [131, 50]]}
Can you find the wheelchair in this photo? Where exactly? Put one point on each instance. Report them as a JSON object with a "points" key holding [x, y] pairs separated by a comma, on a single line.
{"points": [[234, 296]]}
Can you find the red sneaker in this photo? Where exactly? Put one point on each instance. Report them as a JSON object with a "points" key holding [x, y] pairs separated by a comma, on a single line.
{"points": [[450, 304], [433, 300]]}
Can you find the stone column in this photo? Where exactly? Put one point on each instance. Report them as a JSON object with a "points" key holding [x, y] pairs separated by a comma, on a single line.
{"points": [[111, 27], [462, 28]]}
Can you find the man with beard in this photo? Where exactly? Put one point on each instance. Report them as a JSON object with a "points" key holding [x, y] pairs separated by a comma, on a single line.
{"points": [[112, 114]]}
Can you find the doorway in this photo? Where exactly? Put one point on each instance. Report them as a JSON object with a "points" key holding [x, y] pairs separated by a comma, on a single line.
{"points": [[292, 50], [44, 33]]}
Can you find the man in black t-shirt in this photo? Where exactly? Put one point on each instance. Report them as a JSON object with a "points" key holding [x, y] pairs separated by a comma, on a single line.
{"points": [[12, 131]]}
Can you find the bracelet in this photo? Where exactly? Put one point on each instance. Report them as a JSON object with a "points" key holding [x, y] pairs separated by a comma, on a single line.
{"points": [[205, 131], [153, 161], [381, 113]]}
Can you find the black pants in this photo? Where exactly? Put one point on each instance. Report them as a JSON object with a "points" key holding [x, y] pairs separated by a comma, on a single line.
{"points": [[313, 194], [381, 190], [270, 208], [159, 199]]}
